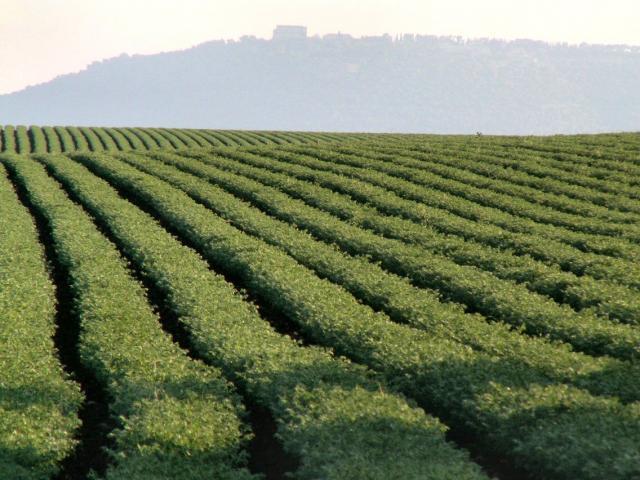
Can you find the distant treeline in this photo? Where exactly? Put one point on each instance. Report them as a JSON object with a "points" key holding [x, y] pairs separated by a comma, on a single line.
{"points": [[338, 83]]}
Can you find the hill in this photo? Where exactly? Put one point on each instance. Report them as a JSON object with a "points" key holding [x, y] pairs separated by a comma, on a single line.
{"points": [[412, 84]]}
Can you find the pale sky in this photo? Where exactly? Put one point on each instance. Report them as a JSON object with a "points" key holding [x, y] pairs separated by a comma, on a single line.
{"points": [[40, 39]]}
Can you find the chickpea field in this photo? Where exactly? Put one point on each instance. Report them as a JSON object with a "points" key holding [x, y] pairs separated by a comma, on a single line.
{"points": [[222, 304]]}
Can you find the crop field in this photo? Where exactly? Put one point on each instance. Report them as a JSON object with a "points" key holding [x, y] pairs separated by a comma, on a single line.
{"points": [[208, 304]]}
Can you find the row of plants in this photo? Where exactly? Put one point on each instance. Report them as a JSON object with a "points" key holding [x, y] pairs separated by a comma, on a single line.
{"points": [[595, 185], [80, 142], [53, 142], [160, 140], [211, 137], [376, 287], [476, 170], [39, 402], [581, 292], [8, 139], [108, 142], [23, 140], [127, 133], [23, 144], [599, 164], [179, 418], [620, 160], [145, 137], [93, 140], [37, 140], [186, 138], [121, 142], [198, 137], [595, 153], [180, 139], [553, 430], [66, 141], [590, 167], [481, 291], [601, 186], [543, 249], [334, 416], [456, 197]]}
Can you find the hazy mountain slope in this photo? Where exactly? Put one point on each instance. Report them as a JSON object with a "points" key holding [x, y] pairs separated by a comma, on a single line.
{"points": [[417, 84]]}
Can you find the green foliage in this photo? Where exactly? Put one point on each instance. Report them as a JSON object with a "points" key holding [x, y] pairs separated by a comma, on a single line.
{"points": [[448, 377], [146, 138], [93, 140], [176, 138], [390, 293], [70, 139], [482, 229], [159, 138], [132, 138], [80, 142], [38, 402], [417, 275], [66, 140], [493, 297], [147, 375], [300, 386], [53, 142], [23, 144], [117, 138], [37, 139], [106, 139], [432, 172], [8, 139]]}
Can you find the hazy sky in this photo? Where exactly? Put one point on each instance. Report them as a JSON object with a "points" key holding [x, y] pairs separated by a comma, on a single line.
{"points": [[40, 39]]}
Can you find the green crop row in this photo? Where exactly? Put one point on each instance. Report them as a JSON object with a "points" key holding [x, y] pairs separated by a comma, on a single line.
{"points": [[53, 142], [186, 139], [523, 417], [582, 184], [370, 283], [549, 251], [209, 137], [132, 138], [38, 402], [160, 139], [23, 144], [319, 401], [195, 136], [38, 140], [94, 142], [117, 138], [604, 298], [179, 418], [79, 141], [34, 139], [107, 141], [454, 196], [545, 206], [66, 141], [8, 139], [594, 165], [605, 187], [495, 298], [586, 156]]}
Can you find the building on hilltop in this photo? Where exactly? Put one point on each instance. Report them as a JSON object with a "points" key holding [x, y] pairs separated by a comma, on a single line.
{"points": [[289, 32]]}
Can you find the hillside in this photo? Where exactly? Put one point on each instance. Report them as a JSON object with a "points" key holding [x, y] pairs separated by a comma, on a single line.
{"points": [[230, 304], [412, 84]]}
